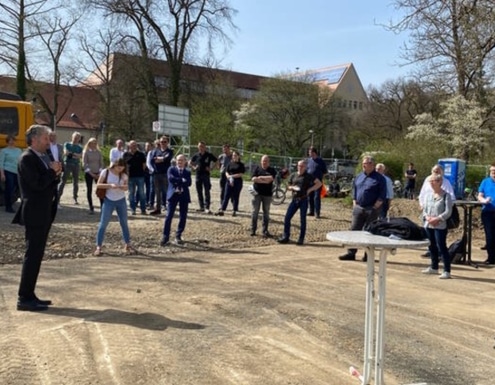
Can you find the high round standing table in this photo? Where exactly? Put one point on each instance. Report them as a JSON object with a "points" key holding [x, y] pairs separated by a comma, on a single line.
{"points": [[370, 243]]}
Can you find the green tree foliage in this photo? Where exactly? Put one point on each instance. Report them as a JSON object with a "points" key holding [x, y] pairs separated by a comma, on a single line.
{"points": [[286, 115], [212, 120], [459, 127]]}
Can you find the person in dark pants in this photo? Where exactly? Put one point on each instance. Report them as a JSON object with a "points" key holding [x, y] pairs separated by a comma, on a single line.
{"points": [[486, 195], [179, 181], [136, 165], [160, 162], [38, 177], [369, 193], [9, 157], [410, 176], [317, 168], [380, 167], [234, 172], [201, 162], [301, 183], [436, 210], [263, 177]]}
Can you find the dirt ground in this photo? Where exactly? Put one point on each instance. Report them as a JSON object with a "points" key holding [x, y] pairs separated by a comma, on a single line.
{"points": [[228, 308]]}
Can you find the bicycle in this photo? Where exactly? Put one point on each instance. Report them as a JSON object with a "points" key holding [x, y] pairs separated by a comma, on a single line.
{"points": [[346, 184], [471, 193], [279, 190], [398, 189]]}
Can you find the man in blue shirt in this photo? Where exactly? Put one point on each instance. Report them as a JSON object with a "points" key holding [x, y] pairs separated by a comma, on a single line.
{"points": [[369, 193], [317, 168], [486, 195]]}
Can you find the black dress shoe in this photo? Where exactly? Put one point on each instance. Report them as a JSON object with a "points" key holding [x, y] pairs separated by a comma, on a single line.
{"points": [[31, 305], [164, 242], [348, 257], [283, 240], [45, 302], [300, 243], [266, 234], [487, 262]]}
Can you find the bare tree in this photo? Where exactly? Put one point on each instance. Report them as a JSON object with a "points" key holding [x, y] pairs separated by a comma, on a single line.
{"points": [[14, 18], [392, 108], [53, 31], [452, 40], [177, 24]]}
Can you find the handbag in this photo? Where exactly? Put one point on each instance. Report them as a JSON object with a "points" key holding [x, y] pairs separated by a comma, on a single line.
{"points": [[454, 220], [102, 192]]}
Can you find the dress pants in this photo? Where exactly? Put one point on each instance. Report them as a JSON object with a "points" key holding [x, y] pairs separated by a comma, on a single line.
{"points": [[36, 237]]}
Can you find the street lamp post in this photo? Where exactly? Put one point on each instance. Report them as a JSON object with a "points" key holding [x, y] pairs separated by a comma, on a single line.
{"points": [[312, 136]]}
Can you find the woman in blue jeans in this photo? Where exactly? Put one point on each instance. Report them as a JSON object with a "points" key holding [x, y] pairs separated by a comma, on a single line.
{"points": [[437, 209], [116, 185]]}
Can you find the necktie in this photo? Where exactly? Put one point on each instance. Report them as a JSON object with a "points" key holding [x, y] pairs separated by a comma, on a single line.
{"points": [[46, 160]]}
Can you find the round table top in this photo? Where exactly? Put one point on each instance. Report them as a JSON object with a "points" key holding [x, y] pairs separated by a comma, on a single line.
{"points": [[364, 238]]}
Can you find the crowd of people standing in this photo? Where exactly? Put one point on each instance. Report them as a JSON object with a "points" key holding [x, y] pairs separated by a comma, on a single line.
{"points": [[157, 180]]}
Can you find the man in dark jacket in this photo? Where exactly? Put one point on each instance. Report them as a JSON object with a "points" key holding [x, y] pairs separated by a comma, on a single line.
{"points": [[38, 177]]}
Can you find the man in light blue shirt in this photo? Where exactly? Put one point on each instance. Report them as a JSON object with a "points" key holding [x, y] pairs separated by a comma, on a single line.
{"points": [[380, 167]]}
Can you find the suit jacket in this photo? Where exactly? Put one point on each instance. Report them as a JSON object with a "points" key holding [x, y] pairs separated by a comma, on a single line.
{"points": [[179, 182], [38, 185]]}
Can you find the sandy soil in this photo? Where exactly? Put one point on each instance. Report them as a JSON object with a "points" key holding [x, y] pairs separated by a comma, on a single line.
{"points": [[228, 308]]}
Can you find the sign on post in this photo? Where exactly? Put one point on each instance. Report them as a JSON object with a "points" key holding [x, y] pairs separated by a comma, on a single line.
{"points": [[156, 126], [174, 121]]}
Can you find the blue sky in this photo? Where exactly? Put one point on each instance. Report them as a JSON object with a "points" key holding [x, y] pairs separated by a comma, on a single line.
{"points": [[278, 36]]}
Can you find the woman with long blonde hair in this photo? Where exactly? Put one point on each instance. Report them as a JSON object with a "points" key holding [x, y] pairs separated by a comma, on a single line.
{"points": [[92, 166], [115, 181]]}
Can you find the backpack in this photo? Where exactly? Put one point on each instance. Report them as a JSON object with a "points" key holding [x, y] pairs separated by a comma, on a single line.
{"points": [[457, 251]]}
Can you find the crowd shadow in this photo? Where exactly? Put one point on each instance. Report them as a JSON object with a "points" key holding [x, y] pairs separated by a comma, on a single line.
{"points": [[149, 321]]}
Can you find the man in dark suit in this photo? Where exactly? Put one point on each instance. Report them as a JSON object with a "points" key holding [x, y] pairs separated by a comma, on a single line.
{"points": [[179, 181], [38, 177]]}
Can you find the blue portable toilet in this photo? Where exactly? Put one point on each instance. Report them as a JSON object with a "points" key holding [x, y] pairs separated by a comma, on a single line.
{"points": [[455, 171]]}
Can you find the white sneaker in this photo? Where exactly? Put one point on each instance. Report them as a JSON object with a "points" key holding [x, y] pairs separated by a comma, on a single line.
{"points": [[430, 271], [445, 275]]}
